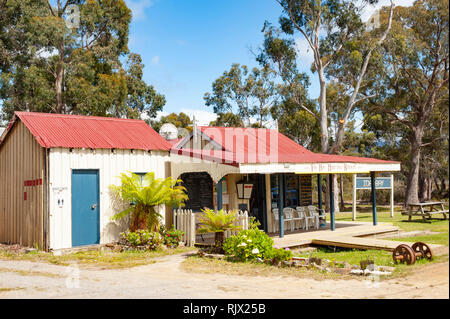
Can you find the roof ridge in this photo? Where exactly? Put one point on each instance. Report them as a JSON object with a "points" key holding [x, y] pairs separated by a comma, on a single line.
{"points": [[20, 113]]}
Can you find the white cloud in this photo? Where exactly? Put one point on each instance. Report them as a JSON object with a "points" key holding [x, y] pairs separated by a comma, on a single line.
{"points": [[144, 115], [304, 52], [155, 60], [202, 117], [138, 7], [369, 10]]}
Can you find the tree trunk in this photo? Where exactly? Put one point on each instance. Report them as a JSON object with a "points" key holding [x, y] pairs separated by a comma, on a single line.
{"points": [[59, 81], [219, 238], [138, 221], [323, 113], [422, 188], [412, 186]]}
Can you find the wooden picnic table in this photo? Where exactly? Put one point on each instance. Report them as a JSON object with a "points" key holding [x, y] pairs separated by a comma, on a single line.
{"points": [[426, 210]]}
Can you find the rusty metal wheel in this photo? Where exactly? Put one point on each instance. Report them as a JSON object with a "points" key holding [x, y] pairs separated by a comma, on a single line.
{"points": [[422, 250], [404, 254]]}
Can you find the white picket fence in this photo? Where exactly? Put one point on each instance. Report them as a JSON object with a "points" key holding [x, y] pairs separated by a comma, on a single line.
{"points": [[187, 221], [241, 220], [184, 220]]}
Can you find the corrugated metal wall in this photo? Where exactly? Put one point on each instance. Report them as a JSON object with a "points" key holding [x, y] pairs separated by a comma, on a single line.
{"points": [[21, 189], [110, 165]]}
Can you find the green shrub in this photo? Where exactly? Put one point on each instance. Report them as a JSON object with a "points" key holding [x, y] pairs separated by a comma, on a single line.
{"points": [[280, 254], [249, 245], [151, 240], [171, 237]]}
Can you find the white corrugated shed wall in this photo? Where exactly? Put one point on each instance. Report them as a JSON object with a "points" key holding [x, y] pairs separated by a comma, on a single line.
{"points": [[110, 166]]}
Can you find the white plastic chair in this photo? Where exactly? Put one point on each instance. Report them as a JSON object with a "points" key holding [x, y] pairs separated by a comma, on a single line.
{"points": [[301, 211], [300, 220], [313, 216], [276, 223], [289, 214], [319, 212], [286, 217]]}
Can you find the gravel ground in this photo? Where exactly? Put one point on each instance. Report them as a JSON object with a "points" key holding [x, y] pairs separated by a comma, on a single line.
{"points": [[166, 279]]}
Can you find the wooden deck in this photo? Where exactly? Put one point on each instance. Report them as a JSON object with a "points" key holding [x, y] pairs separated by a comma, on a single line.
{"points": [[343, 229], [356, 235]]}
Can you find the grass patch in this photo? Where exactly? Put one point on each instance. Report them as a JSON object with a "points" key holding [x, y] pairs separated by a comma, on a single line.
{"points": [[105, 259], [203, 265], [380, 257], [10, 289], [437, 239], [31, 273], [383, 215]]}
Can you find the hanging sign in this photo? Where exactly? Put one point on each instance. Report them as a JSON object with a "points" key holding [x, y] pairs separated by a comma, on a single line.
{"points": [[380, 183]]}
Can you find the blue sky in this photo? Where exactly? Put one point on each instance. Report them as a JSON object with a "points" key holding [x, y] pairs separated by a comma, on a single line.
{"points": [[186, 45]]}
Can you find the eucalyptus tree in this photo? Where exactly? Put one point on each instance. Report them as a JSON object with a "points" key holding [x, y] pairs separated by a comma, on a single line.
{"points": [[416, 76], [336, 35], [252, 92], [330, 28], [66, 57], [228, 119]]}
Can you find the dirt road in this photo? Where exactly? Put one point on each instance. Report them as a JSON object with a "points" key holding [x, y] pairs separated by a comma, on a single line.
{"points": [[166, 279]]}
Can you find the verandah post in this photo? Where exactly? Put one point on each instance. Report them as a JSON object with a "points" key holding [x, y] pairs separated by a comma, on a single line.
{"points": [[281, 203], [319, 190], [374, 198], [330, 184], [219, 195]]}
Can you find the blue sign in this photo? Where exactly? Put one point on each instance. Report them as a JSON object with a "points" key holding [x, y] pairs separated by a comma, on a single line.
{"points": [[380, 183]]}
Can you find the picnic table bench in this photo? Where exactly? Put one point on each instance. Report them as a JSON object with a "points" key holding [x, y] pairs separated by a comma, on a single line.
{"points": [[425, 210]]}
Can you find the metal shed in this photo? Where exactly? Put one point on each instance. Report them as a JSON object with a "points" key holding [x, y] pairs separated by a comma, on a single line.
{"points": [[55, 171]]}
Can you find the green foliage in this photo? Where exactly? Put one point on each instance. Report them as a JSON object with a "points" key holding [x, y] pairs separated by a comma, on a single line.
{"points": [[279, 254], [249, 245], [228, 119], [217, 221], [47, 67], [171, 237], [152, 240], [254, 243], [250, 92], [180, 120], [145, 194]]}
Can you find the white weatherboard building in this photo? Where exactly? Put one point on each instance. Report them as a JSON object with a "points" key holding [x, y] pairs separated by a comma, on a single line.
{"points": [[56, 171]]}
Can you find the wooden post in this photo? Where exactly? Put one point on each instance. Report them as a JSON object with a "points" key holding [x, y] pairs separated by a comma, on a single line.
{"points": [[319, 191], [270, 224], [392, 195], [281, 204], [219, 195], [374, 198], [332, 218], [354, 198]]}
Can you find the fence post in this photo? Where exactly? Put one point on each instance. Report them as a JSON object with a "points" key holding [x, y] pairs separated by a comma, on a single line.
{"points": [[193, 230]]}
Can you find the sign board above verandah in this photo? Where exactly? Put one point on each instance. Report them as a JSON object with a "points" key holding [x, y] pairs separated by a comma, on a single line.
{"points": [[318, 168]]}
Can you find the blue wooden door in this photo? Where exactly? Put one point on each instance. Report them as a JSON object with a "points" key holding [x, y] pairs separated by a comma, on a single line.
{"points": [[85, 207]]}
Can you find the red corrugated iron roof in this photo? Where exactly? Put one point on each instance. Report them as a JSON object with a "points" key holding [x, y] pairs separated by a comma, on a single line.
{"points": [[76, 131], [251, 146]]}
